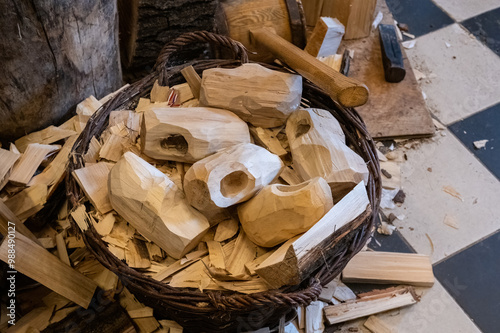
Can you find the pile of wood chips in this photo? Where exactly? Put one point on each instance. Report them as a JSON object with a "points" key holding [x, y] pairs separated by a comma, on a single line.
{"points": [[221, 183]]}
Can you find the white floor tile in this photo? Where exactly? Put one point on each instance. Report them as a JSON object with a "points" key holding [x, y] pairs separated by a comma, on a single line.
{"points": [[461, 10], [432, 167], [461, 73]]}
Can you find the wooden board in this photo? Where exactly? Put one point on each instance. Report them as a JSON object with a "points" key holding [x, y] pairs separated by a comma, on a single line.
{"points": [[388, 268], [43, 267], [393, 109], [370, 303]]}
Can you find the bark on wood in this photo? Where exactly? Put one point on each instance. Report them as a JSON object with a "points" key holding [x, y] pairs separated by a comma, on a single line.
{"points": [[147, 25], [54, 54]]}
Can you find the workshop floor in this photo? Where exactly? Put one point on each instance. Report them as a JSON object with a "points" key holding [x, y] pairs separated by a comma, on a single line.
{"points": [[458, 51]]}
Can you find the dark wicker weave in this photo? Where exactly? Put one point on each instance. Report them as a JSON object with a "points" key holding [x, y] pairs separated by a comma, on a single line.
{"points": [[215, 311]]}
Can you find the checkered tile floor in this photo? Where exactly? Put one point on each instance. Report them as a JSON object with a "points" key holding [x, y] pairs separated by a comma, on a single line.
{"points": [[458, 50]]}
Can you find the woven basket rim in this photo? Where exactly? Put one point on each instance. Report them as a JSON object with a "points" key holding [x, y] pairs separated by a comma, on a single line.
{"points": [[183, 303]]}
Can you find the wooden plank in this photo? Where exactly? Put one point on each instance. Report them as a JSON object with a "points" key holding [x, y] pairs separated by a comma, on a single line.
{"points": [[193, 80], [9, 221], [393, 110], [130, 303], [34, 321], [176, 266], [266, 138], [389, 268], [355, 15], [326, 37], [314, 317], [371, 303], [94, 182], [43, 267], [29, 162], [112, 149], [141, 312]]}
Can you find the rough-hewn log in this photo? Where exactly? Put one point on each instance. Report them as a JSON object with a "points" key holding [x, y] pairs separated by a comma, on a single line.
{"points": [[54, 55], [147, 25]]}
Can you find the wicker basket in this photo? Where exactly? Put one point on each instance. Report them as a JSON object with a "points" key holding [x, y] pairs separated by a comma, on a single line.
{"points": [[216, 311]]}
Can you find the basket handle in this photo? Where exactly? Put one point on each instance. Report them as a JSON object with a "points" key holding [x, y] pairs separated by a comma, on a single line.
{"points": [[238, 50]]}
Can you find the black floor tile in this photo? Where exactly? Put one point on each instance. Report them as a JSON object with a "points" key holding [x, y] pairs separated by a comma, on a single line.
{"points": [[471, 277], [486, 28], [392, 243], [422, 16], [481, 126]]}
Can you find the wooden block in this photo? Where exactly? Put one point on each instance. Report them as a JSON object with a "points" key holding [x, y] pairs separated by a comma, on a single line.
{"points": [[325, 38], [132, 183], [183, 92], [225, 230], [80, 122], [230, 176], [314, 317], [389, 268], [291, 263], [355, 15], [318, 150], [252, 265], [171, 325], [46, 136], [260, 96], [88, 106], [131, 119], [53, 174], [7, 159], [371, 303], [28, 202], [392, 57], [43, 267], [29, 162], [104, 226], [280, 212], [375, 325], [190, 134], [391, 175], [94, 182], [159, 93], [312, 11], [267, 139], [193, 80], [244, 252], [47, 242]]}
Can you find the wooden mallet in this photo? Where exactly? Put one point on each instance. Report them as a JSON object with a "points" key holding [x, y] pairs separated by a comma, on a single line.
{"points": [[347, 91]]}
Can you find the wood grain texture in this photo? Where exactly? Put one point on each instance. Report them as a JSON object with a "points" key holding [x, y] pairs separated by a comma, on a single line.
{"points": [[52, 60], [393, 110], [389, 268], [29, 162], [37, 263], [347, 91], [355, 15]]}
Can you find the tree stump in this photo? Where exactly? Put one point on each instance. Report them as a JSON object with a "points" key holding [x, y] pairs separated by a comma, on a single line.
{"points": [[147, 25], [54, 54]]}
